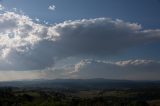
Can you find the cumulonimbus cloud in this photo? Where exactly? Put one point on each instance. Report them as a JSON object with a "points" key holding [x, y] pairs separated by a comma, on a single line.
{"points": [[27, 45]]}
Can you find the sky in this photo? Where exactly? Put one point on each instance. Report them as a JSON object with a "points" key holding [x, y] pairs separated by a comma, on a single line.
{"points": [[54, 39]]}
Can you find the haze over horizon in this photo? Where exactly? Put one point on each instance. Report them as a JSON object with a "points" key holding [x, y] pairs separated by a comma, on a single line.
{"points": [[54, 39]]}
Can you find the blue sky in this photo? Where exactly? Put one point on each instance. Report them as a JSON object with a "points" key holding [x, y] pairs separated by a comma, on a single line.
{"points": [[108, 34], [145, 12]]}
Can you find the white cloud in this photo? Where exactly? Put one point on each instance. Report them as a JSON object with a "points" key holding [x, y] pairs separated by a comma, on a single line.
{"points": [[1, 7], [52, 7], [18, 37]]}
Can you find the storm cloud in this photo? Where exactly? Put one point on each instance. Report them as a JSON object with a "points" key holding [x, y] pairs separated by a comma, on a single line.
{"points": [[27, 45]]}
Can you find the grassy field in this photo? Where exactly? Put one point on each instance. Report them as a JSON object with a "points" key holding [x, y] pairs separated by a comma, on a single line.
{"points": [[105, 97]]}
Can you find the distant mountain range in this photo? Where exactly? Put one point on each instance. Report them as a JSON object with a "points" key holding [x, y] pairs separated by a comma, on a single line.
{"points": [[80, 84]]}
